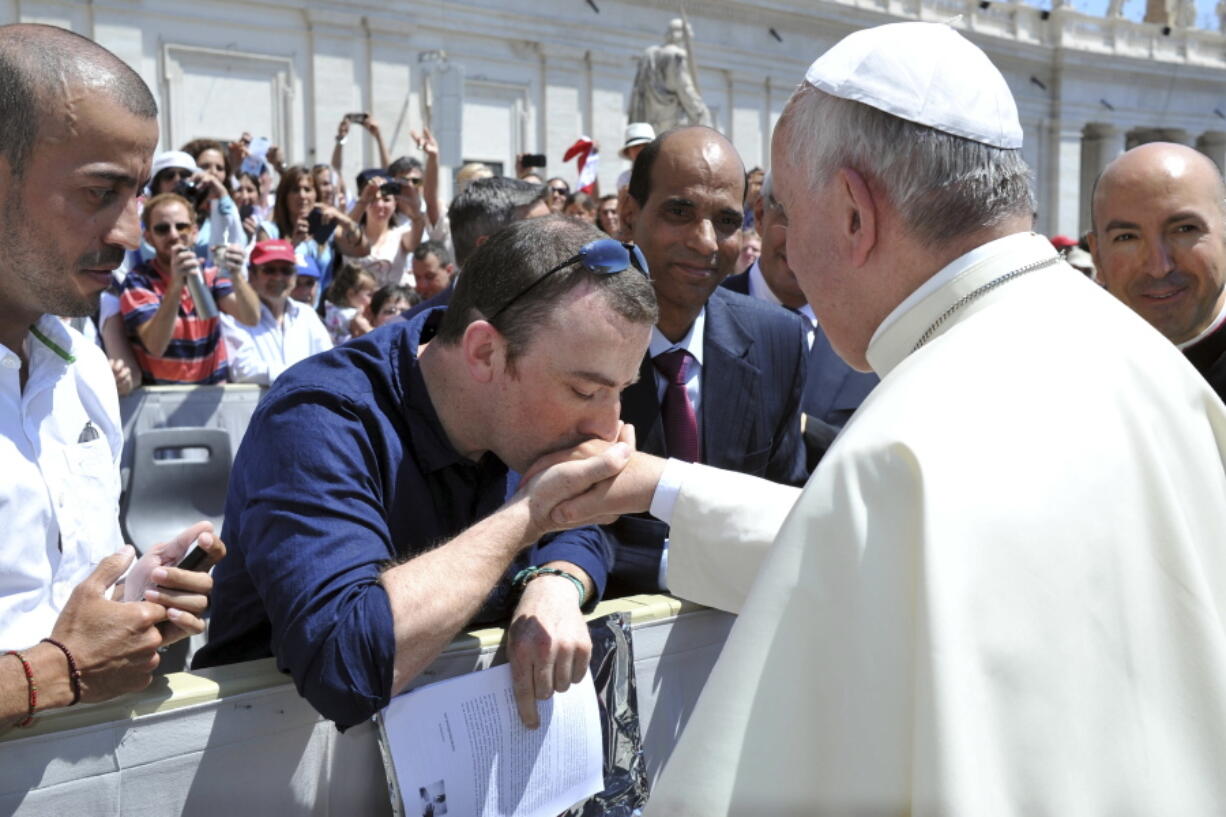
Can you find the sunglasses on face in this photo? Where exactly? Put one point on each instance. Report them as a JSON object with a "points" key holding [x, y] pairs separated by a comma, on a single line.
{"points": [[560, 191], [280, 269], [416, 181], [164, 227], [604, 256], [179, 174]]}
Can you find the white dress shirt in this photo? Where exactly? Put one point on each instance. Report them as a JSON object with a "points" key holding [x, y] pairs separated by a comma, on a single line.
{"points": [[59, 476], [692, 343], [260, 353]]}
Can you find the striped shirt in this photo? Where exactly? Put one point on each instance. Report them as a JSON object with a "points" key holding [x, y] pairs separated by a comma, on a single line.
{"points": [[196, 353]]}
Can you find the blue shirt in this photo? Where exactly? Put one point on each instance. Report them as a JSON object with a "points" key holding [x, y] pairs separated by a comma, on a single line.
{"points": [[344, 471]]}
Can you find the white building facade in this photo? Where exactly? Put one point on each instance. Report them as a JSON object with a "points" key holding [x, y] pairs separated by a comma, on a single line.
{"points": [[499, 77]]}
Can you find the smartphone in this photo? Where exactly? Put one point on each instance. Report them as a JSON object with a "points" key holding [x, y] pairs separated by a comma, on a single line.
{"points": [[194, 560], [357, 118], [320, 229], [534, 160], [245, 211], [391, 188]]}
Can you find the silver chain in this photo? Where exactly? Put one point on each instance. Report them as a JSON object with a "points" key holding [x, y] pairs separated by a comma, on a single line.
{"points": [[983, 290]]}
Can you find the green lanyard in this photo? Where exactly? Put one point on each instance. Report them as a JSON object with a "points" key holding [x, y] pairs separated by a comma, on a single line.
{"points": [[52, 345]]}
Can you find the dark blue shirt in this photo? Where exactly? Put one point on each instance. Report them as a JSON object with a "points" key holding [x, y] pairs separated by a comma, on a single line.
{"points": [[345, 470]]}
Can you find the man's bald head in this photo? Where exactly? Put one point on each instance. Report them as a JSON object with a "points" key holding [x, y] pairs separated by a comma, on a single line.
{"points": [[1154, 161], [42, 68], [1159, 237], [712, 144]]}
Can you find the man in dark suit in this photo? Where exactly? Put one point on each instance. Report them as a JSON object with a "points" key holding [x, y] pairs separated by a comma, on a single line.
{"points": [[722, 381], [1159, 245], [833, 390]]}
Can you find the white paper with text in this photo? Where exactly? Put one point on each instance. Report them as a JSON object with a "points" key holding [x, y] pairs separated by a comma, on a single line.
{"points": [[458, 747]]}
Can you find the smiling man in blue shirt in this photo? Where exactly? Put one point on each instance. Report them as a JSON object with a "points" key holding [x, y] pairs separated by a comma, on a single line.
{"points": [[371, 516]]}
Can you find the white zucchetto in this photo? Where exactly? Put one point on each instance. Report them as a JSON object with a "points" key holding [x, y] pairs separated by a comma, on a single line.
{"points": [[926, 73]]}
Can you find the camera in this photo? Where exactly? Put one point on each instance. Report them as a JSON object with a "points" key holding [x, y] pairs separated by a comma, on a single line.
{"points": [[534, 160], [192, 191], [390, 189]]}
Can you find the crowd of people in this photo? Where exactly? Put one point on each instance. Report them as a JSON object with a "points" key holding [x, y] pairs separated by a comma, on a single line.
{"points": [[220, 213], [966, 503]]}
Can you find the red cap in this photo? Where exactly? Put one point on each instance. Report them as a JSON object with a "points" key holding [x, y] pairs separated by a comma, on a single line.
{"points": [[1063, 242], [274, 249]]}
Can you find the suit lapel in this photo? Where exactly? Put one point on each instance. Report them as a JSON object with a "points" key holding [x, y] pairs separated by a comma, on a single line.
{"points": [[826, 375], [729, 383], [641, 408]]}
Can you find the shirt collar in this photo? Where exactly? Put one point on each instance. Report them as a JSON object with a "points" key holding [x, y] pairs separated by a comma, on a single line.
{"points": [[692, 342], [431, 447], [902, 328], [292, 310], [1209, 330]]}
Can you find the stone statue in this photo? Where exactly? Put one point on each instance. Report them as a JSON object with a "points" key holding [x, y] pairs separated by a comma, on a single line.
{"points": [[1220, 11], [664, 86], [1115, 9], [1185, 14]]}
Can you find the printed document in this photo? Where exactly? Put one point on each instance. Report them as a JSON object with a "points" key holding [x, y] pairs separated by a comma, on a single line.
{"points": [[458, 747]]}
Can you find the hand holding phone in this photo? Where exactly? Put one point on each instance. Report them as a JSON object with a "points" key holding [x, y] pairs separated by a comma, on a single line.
{"points": [[357, 118], [319, 226]]}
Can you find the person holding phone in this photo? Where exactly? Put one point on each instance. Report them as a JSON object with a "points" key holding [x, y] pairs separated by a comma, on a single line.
{"points": [[391, 245], [366, 121], [66, 633], [333, 231]]}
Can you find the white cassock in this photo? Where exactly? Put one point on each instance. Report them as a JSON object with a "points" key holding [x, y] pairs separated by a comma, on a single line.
{"points": [[1002, 591]]}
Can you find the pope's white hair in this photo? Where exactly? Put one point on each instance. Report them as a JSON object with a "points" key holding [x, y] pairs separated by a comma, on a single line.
{"points": [[943, 186]]}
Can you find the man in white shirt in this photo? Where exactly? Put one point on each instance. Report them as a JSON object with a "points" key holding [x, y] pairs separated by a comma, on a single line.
{"points": [[77, 131], [1000, 591], [288, 331]]}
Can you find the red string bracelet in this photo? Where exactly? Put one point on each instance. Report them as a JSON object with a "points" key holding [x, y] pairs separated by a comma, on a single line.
{"points": [[74, 674], [29, 671]]}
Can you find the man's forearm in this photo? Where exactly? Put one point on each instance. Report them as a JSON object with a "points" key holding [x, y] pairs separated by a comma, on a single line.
{"points": [[435, 594], [156, 333], [246, 304], [430, 189]]}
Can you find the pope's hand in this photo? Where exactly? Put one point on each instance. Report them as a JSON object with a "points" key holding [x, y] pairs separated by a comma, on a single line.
{"points": [[548, 644], [629, 491], [545, 488]]}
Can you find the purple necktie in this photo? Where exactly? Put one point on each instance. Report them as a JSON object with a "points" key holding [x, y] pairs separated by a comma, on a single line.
{"points": [[680, 423]]}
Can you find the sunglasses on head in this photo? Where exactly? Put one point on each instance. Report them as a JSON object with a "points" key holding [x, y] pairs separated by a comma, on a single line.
{"points": [[164, 227], [604, 256]]}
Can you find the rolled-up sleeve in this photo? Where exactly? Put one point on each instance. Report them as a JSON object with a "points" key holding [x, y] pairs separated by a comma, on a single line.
{"points": [[315, 540]]}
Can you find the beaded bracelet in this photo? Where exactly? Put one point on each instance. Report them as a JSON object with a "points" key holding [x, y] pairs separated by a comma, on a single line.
{"points": [[74, 674], [33, 687], [529, 573]]}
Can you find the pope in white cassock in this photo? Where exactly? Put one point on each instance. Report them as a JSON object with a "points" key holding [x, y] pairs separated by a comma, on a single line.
{"points": [[1002, 591]]}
